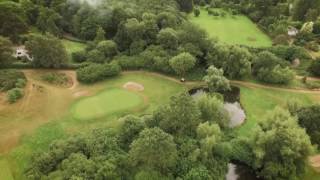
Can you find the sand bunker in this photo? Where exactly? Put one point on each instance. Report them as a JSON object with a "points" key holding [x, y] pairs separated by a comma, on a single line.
{"points": [[133, 86], [81, 93]]}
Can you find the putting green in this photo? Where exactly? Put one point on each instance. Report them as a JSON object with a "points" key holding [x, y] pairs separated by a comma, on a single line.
{"points": [[107, 102]]}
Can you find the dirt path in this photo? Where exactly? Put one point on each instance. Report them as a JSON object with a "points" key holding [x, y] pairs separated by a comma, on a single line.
{"points": [[42, 103], [254, 85], [235, 82], [315, 162]]}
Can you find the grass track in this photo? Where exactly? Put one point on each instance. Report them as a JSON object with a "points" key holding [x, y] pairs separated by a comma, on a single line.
{"points": [[232, 30]]}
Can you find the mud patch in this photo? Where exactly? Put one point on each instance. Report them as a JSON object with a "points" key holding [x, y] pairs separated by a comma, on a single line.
{"points": [[133, 86]]}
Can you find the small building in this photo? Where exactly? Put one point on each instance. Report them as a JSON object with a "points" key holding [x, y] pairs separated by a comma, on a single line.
{"points": [[292, 31], [21, 52]]}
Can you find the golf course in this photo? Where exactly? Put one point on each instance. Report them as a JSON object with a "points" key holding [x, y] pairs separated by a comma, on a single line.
{"points": [[231, 29]]}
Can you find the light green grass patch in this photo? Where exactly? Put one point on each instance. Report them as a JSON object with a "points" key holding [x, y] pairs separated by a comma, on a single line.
{"points": [[72, 46], [5, 172], [257, 102], [231, 29], [107, 102]]}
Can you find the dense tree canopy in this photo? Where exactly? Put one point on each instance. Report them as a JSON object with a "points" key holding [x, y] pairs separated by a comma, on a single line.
{"points": [[290, 146], [47, 51]]}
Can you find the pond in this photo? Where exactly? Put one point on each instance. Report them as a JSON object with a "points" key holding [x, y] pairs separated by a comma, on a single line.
{"points": [[240, 172], [231, 105]]}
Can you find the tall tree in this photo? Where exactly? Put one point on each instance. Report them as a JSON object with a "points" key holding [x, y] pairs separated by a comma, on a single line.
{"points": [[180, 117], [182, 63], [215, 80], [12, 20], [154, 149], [47, 51], [48, 21], [6, 51], [280, 146], [309, 118]]}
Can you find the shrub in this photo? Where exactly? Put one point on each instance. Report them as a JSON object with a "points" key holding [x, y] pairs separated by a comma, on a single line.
{"points": [[196, 12], [55, 78], [314, 68], [79, 56], [10, 78], [14, 94], [21, 83], [96, 56], [97, 72]]}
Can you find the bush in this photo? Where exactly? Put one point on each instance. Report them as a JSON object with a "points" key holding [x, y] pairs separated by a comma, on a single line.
{"points": [[79, 56], [55, 78], [96, 56], [14, 94], [97, 72], [21, 83], [196, 12], [278, 75], [9, 79], [314, 68]]}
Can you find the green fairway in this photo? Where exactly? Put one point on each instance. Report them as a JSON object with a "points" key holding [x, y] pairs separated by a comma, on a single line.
{"points": [[106, 102], [258, 101], [232, 29]]}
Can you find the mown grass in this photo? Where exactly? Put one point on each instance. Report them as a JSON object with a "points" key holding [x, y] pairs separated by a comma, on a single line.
{"points": [[231, 29], [157, 91], [257, 102], [72, 46], [106, 103]]}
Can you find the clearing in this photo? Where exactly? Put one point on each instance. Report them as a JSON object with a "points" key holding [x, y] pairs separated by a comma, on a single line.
{"points": [[232, 29]]}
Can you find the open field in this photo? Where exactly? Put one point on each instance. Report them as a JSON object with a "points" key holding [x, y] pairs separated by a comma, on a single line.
{"points": [[232, 29], [47, 115]]}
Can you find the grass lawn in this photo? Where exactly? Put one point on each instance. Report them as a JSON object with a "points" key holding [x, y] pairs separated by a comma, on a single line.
{"points": [[5, 172], [72, 46], [232, 29], [53, 111], [106, 103], [258, 101]]}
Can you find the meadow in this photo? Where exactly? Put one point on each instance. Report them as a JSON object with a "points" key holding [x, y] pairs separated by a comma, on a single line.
{"points": [[232, 29]]}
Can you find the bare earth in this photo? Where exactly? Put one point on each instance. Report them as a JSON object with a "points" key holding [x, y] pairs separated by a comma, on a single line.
{"points": [[315, 162], [133, 86]]}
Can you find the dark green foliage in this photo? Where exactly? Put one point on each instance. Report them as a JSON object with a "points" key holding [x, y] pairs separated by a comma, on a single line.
{"points": [[79, 56], [109, 48], [196, 12], [47, 51], [9, 79], [180, 117], [309, 118], [14, 94], [168, 38], [315, 67], [12, 20], [97, 72], [95, 155], [186, 5], [130, 130], [5, 50], [48, 21], [199, 173], [154, 149], [269, 68], [96, 56], [290, 146]]}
